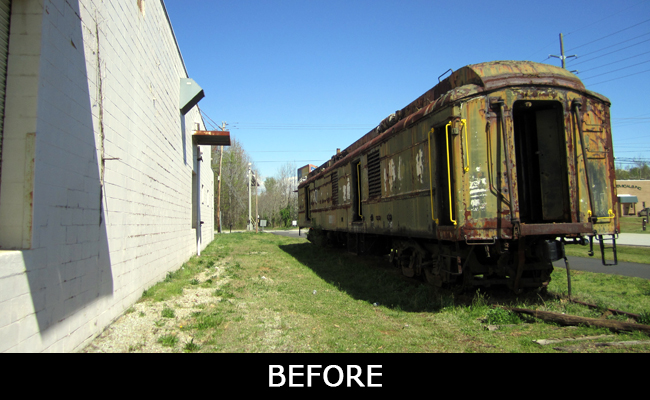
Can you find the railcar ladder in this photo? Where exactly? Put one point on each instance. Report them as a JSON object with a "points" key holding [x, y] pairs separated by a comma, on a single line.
{"points": [[602, 240]]}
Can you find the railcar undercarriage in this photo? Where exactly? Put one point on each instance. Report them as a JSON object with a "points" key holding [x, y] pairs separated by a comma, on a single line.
{"points": [[523, 264]]}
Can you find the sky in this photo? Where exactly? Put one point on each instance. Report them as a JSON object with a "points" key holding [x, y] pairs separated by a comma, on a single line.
{"points": [[296, 79]]}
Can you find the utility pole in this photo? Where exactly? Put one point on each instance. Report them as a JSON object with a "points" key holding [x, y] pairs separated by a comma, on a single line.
{"points": [[223, 128], [562, 56], [256, 212], [250, 226]]}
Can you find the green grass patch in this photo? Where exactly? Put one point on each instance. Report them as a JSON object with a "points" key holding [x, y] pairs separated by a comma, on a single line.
{"points": [[168, 340], [280, 294], [635, 254], [633, 225], [168, 313]]}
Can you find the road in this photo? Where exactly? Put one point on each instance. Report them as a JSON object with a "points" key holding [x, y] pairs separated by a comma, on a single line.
{"points": [[594, 264], [292, 233]]}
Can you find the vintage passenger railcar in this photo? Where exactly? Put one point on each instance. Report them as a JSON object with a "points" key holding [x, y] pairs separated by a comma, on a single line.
{"points": [[480, 181]]}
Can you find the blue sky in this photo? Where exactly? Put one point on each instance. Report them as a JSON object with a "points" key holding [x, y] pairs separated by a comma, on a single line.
{"points": [[297, 79]]}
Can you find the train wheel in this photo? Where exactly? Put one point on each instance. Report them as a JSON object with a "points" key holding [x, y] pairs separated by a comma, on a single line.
{"points": [[393, 257], [407, 263], [432, 278]]}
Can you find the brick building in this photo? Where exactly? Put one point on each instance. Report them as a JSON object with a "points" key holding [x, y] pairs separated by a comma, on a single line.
{"points": [[103, 188]]}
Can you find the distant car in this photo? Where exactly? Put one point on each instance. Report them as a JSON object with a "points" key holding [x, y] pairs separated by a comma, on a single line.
{"points": [[644, 212]]}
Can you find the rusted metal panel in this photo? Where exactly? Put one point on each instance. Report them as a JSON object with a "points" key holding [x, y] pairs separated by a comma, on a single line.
{"points": [[212, 138], [556, 229]]}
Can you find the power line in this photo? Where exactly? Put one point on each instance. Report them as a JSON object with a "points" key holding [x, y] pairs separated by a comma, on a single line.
{"points": [[613, 45], [293, 151], [611, 34], [303, 127], [607, 17], [615, 62], [616, 70], [611, 52], [584, 27], [286, 161], [626, 76], [213, 124]]}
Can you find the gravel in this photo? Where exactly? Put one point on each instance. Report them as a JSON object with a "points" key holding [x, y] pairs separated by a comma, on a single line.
{"points": [[141, 327]]}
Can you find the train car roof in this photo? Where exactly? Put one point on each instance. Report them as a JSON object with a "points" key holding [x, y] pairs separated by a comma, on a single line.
{"points": [[482, 77]]}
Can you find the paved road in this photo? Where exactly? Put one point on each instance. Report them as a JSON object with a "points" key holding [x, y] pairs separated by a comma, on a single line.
{"points": [[594, 264], [291, 233]]}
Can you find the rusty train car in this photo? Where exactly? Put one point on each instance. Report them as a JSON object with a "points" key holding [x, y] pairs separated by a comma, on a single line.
{"points": [[480, 181]]}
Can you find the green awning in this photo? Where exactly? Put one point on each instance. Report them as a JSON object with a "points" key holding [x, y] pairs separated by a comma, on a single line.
{"points": [[628, 199]]}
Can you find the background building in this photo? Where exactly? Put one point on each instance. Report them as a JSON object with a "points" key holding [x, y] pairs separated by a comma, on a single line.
{"points": [[632, 194], [103, 187]]}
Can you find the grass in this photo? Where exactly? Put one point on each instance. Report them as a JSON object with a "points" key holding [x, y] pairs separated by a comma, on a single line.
{"points": [[635, 254], [280, 294], [168, 340], [168, 312], [633, 225]]}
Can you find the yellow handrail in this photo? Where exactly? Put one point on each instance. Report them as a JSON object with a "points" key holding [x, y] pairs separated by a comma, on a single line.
{"points": [[431, 177], [451, 217], [464, 123], [610, 215]]}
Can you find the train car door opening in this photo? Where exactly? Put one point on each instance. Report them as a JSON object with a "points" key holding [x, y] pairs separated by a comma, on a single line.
{"points": [[542, 175], [357, 209], [445, 176], [307, 204]]}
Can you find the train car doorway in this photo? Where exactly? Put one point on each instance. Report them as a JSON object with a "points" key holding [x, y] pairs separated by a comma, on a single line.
{"points": [[445, 176], [357, 209], [542, 174]]}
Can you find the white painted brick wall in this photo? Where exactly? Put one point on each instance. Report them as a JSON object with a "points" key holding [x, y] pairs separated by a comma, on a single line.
{"points": [[79, 275]]}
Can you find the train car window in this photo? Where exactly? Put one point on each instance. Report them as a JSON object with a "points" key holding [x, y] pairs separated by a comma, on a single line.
{"points": [[542, 175]]}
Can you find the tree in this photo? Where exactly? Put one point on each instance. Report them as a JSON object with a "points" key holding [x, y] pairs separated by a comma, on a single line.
{"points": [[640, 171], [279, 201], [234, 185]]}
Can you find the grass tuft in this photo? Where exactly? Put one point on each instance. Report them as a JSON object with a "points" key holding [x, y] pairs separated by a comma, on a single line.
{"points": [[168, 340], [168, 313]]}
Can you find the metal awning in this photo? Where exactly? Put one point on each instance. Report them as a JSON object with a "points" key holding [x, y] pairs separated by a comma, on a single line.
{"points": [[212, 138], [627, 199], [190, 95]]}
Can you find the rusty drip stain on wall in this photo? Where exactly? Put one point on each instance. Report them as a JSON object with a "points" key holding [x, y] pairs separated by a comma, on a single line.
{"points": [[100, 103]]}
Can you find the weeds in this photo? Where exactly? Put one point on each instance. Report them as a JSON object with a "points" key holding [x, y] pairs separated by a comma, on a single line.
{"points": [[644, 318], [500, 316], [191, 347], [168, 313], [168, 340]]}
